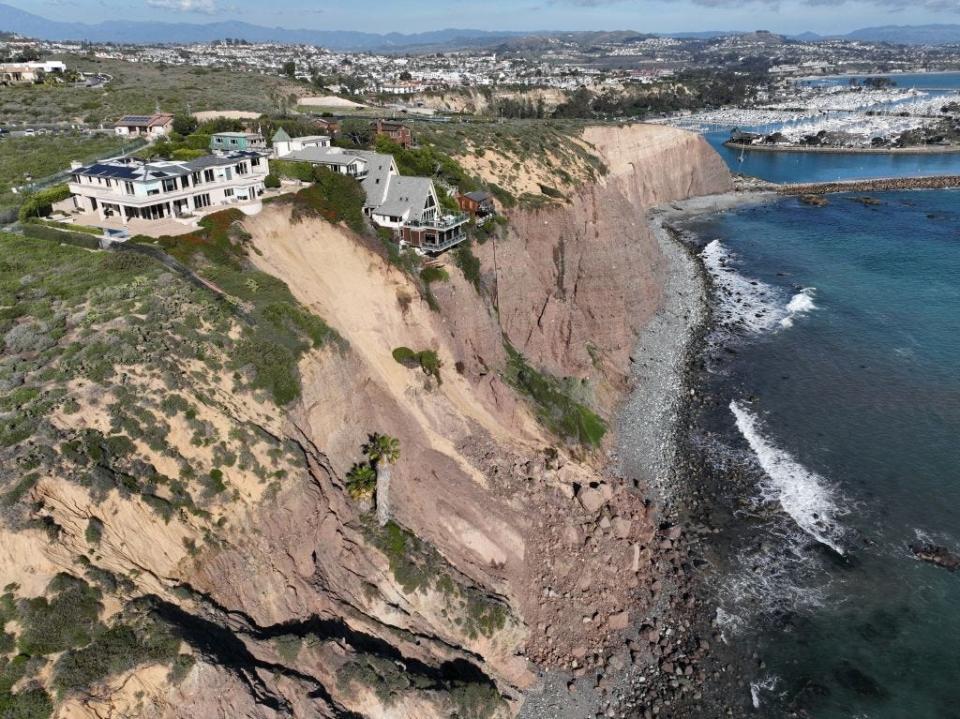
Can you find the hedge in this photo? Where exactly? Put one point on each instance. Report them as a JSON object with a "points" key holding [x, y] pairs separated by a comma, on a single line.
{"points": [[42, 232], [40, 204]]}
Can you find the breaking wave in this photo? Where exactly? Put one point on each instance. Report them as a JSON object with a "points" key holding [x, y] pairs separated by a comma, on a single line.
{"points": [[751, 305], [802, 493], [767, 684]]}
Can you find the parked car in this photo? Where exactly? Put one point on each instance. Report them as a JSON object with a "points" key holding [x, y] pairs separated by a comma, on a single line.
{"points": [[29, 132]]}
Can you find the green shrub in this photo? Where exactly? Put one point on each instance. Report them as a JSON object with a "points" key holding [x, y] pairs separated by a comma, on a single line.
{"points": [[213, 483], [69, 619], [558, 411], [116, 650], [39, 204], [434, 274], [504, 198], [406, 357], [94, 530], [51, 234], [334, 197], [33, 703], [469, 264], [292, 170], [427, 360], [271, 181], [185, 154], [197, 141]]}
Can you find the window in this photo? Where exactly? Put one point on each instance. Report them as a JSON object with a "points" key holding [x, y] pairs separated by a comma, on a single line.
{"points": [[154, 191], [208, 176], [109, 183], [228, 192], [128, 188], [184, 182], [170, 185], [241, 169], [255, 162], [196, 178], [201, 201]]}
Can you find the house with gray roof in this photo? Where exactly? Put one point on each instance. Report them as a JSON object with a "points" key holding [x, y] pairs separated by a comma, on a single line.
{"points": [[128, 188], [409, 206]]}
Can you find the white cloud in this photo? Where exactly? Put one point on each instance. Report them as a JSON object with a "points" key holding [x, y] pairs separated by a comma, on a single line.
{"points": [[205, 6]]}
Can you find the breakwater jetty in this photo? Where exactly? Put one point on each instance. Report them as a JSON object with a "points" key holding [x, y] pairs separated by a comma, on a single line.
{"points": [[940, 182]]}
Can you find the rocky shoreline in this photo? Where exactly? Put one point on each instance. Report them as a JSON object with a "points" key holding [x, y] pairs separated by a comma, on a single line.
{"points": [[667, 665]]}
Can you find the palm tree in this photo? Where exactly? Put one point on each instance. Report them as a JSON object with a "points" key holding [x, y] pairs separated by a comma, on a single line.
{"points": [[361, 481], [382, 450]]}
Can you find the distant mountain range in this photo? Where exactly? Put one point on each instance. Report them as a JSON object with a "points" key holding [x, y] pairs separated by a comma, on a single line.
{"points": [[125, 31], [900, 34], [132, 32]]}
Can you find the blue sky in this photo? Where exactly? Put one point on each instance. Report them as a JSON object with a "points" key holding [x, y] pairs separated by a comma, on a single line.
{"points": [[788, 16]]}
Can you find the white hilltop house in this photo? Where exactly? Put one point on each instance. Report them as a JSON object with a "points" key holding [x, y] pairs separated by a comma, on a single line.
{"points": [[409, 206], [283, 144], [128, 188]]}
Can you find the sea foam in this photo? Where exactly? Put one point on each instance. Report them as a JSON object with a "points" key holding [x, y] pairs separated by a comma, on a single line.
{"points": [[802, 493], [751, 305]]}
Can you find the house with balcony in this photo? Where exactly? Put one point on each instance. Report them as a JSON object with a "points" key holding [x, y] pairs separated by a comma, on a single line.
{"points": [[159, 124], [237, 142], [478, 204], [408, 206], [129, 188]]}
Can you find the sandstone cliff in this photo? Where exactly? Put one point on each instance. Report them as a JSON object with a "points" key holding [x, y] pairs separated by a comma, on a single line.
{"points": [[508, 549]]}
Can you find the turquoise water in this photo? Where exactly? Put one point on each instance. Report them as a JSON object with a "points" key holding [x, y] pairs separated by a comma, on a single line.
{"points": [[819, 167], [837, 392]]}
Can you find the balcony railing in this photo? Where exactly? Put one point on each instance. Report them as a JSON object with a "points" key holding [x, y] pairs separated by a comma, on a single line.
{"points": [[447, 222]]}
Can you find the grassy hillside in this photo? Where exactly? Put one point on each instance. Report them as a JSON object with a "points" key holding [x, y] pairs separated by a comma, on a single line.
{"points": [[140, 88], [46, 155]]}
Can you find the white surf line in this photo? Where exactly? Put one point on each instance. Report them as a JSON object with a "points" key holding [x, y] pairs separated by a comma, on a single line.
{"points": [[803, 494]]}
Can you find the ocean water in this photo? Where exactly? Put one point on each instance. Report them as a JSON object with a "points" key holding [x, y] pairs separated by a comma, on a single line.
{"points": [[832, 434]]}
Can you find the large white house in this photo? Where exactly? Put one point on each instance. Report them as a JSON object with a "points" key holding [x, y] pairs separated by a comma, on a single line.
{"points": [[133, 189]]}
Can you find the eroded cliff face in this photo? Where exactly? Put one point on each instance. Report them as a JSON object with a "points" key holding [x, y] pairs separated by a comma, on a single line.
{"points": [[507, 548], [576, 282]]}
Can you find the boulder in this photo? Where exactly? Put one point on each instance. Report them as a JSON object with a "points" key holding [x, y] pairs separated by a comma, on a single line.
{"points": [[618, 622], [591, 500]]}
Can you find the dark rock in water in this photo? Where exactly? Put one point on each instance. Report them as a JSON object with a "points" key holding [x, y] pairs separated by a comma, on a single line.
{"points": [[866, 201], [814, 200], [851, 677], [941, 556]]}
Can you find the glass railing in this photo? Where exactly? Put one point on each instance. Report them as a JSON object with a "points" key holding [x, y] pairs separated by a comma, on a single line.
{"points": [[441, 223]]}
